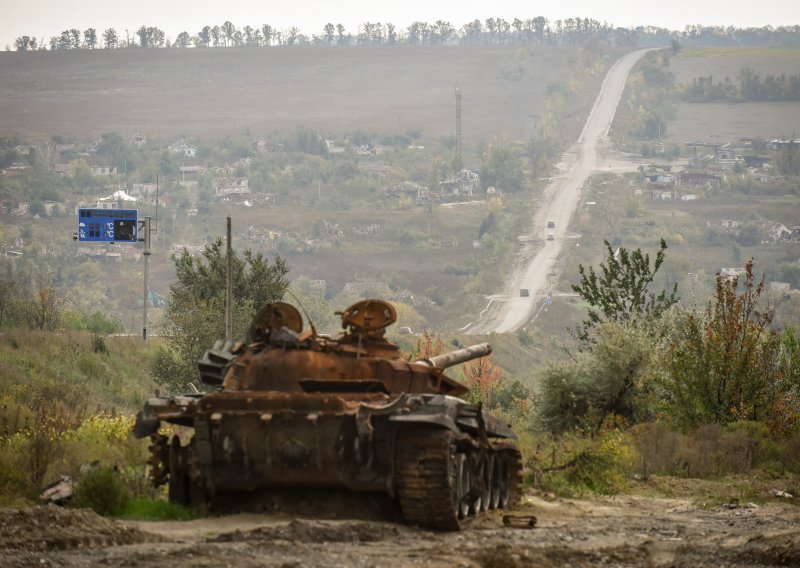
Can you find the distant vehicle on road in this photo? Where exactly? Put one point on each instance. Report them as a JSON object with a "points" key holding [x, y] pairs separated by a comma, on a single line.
{"points": [[551, 224], [524, 293], [551, 237]]}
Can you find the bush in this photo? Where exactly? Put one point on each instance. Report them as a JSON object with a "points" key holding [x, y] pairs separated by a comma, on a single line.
{"points": [[712, 450], [99, 344], [656, 447], [616, 378], [103, 490], [587, 465]]}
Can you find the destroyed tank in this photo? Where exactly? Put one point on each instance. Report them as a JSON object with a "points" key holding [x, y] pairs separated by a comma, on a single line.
{"points": [[292, 409]]}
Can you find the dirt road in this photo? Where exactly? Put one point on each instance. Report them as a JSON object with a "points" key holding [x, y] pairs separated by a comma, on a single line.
{"points": [[541, 246], [621, 531]]}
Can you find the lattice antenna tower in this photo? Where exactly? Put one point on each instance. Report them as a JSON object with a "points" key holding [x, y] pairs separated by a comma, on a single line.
{"points": [[459, 163]]}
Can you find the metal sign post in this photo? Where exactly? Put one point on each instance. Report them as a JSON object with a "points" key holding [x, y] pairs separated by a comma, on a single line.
{"points": [[229, 285], [118, 226], [146, 254]]}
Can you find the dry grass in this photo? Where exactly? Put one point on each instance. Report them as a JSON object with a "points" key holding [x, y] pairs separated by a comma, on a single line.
{"points": [[722, 123], [214, 92], [716, 122], [722, 62]]}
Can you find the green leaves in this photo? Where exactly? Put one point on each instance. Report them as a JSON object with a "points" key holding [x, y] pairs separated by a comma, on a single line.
{"points": [[620, 292], [729, 364], [195, 315]]}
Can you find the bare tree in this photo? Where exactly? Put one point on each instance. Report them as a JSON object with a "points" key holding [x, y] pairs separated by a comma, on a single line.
{"points": [[46, 154], [611, 212], [43, 306]]}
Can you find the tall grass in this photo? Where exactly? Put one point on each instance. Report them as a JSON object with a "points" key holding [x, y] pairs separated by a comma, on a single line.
{"points": [[64, 403]]}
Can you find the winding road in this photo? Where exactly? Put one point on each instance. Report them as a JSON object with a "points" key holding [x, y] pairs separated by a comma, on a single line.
{"points": [[509, 311]]}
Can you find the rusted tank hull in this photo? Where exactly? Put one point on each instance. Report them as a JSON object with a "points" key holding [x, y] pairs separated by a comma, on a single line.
{"points": [[294, 410], [424, 450], [254, 450]]}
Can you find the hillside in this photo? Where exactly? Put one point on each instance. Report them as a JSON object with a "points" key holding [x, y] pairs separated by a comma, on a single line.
{"points": [[213, 92]]}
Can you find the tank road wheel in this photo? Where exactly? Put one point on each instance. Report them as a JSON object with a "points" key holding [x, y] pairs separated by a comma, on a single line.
{"points": [[454, 469], [494, 481], [198, 496], [178, 476], [503, 482], [463, 485], [483, 502], [428, 478], [476, 487], [508, 477]]}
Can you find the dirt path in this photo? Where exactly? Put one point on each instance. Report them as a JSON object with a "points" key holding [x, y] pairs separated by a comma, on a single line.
{"points": [[622, 531], [541, 246]]}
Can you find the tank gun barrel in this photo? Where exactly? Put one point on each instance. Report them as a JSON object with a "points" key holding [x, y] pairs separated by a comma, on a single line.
{"points": [[458, 356]]}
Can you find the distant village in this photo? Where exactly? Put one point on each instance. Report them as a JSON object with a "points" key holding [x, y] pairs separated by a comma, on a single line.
{"points": [[703, 169]]}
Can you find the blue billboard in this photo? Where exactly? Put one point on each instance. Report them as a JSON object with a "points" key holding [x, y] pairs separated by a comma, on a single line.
{"points": [[108, 225]]}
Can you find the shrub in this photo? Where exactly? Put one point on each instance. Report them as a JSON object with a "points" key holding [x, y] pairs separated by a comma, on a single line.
{"points": [[616, 378], [728, 365], [656, 447], [107, 438], [712, 450], [103, 490], [99, 344], [579, 465]]}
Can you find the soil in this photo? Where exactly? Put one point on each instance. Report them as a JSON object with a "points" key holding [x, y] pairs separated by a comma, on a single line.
{"points": [[614, 531]]}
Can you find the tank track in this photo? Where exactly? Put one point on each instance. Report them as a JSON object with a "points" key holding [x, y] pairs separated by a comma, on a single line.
{"points": [[426, 460]]}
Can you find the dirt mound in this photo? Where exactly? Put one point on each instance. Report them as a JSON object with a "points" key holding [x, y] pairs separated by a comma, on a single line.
{"points": [[54, 528], [508, 556], [780, 549], [318, 504], [315, 532]]}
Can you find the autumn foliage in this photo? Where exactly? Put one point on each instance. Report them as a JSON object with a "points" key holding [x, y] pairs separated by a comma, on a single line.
{"points": [[729, 364], [483, 378]]}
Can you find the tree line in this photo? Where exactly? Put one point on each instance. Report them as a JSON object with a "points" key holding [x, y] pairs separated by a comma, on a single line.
{"points": [[750, 87], [491, 31]]}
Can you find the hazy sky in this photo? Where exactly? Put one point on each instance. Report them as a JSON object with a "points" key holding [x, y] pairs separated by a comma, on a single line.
{"points": [[45, 18]]}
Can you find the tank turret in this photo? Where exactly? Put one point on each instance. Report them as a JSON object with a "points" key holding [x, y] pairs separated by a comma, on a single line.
{"points": [[293, 409]]}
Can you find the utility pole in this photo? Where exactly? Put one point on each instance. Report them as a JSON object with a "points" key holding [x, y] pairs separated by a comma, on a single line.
{"points": [[459, 163], [146, 254], [229, 286]]}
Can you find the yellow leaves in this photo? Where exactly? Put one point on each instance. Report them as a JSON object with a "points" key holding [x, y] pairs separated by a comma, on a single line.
{"points": [[483, 377], [102, 427], [427, 347]]}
